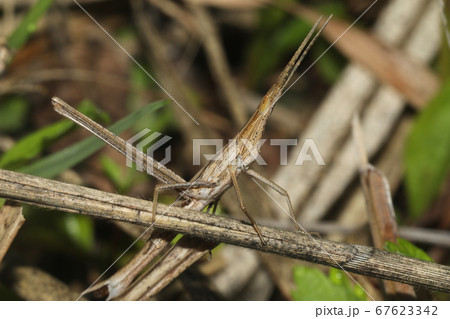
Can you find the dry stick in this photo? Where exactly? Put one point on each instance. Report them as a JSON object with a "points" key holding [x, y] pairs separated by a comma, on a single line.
{"points": [[436, 237], [236, 158], [31, 283], [169, 77], [444, 22], [390, 65], [177, 13], [354, 258], [218, 63], [182, 257], [355, 87], [164, 273], [187, 252], [380, 115], [5, 55], [390, 162], [120, 280], [11, 219], [283, 117], [380, 209]]}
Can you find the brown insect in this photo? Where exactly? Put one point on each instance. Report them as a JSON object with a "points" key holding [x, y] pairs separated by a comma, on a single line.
{"points": [[221, 173]]}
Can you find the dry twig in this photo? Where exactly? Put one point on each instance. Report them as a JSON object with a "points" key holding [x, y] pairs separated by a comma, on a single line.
{"points": [[32, 283], [416, 83], [11, 219], [380, 210], [218, 63], [354, 258], [350, 94]]}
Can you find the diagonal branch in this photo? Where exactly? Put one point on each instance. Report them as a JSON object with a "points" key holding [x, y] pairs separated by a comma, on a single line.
{"points": [[11, 219], [354, 258]]}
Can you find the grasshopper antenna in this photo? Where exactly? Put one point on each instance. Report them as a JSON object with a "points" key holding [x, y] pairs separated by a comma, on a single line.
{"points": [[299, 56]]}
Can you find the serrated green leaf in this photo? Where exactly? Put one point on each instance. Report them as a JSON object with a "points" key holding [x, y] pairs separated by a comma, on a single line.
{"points": [[32, 145], [405, 248], [28, 24], [312, 284], [56, 163], [81, 230], [13, 113], [427, 152]]}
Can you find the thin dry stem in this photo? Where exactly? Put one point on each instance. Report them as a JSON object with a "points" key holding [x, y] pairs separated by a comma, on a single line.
{"points": [[11, 219], [354, 258], [380, 210], [218, 63]]}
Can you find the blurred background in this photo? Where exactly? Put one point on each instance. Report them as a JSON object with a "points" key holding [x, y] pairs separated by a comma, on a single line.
{"points": [[217, 59]]}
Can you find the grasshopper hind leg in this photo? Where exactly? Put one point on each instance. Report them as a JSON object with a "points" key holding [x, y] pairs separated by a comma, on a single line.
{"points": [[241, 203], [279, 190]]}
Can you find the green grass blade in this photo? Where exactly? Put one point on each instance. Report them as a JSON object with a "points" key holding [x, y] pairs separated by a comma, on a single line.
{"points": [[56, 163], [34, 143], [28, 25]]}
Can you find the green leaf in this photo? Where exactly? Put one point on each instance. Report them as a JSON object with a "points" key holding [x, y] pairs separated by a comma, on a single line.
{"points": [[28, 24], [81, 230], [405, 248], [32, 145], [280, 35], [427, 152], [176, 239], [330, 65], [139, 83], [56, 163], [282, 41], [312, 284], [13, 114], [122, 177]]}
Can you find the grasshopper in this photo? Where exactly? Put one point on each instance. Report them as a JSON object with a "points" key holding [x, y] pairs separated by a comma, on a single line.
{"points": [[219, 174]]}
